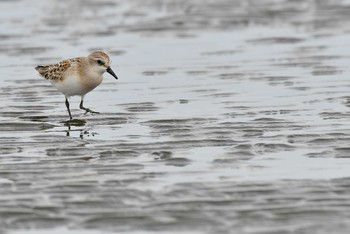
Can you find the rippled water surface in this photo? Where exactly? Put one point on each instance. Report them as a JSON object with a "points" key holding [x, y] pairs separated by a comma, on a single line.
{"points": [[228, 117]]}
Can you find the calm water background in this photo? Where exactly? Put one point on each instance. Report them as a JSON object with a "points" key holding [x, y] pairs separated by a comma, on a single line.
{"points": [[229, 117]]}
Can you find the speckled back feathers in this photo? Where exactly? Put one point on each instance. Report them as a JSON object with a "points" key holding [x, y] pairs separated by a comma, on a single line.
{"points": [[56, 71]]}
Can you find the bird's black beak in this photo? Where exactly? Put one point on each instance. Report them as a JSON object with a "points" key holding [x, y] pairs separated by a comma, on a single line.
{"points": [[110, 71]]}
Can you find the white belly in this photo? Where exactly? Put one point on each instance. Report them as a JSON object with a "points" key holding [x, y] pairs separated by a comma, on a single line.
{"points": [[71, 86]]}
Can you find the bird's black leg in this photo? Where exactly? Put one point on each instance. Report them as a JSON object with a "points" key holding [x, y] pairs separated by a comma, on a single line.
{"points": [[87, 109], [67, 105]]}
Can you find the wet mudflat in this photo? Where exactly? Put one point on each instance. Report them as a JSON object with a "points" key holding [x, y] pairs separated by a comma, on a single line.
{"points": [[228, 117]]}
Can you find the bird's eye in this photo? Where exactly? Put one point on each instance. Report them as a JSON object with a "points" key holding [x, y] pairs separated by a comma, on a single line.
{"points": [[100, 62]]}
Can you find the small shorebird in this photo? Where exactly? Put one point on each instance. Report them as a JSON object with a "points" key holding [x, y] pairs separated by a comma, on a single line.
{"points": [[77, 76]]}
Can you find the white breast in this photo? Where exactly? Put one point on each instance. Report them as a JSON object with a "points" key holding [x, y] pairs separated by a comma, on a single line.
{"points": [[70, 86]]}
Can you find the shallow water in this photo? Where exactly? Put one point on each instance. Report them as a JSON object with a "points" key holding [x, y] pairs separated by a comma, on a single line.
{"points": [[228, 116]]}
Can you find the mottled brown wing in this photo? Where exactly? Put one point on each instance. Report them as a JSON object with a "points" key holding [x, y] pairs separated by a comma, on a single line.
{"points": [[54, 71]]}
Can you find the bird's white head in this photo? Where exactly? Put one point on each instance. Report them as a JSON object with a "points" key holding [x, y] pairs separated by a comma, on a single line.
{"points": [[99, 62]]}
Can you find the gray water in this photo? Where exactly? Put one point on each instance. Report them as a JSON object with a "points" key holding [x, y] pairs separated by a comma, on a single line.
{"points": [[228, 117]]}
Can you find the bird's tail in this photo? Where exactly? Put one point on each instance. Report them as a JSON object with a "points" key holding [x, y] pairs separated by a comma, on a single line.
{"points": [[43, 69]]}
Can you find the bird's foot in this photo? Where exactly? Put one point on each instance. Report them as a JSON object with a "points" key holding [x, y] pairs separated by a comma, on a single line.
{"points": [[87, 110]]}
